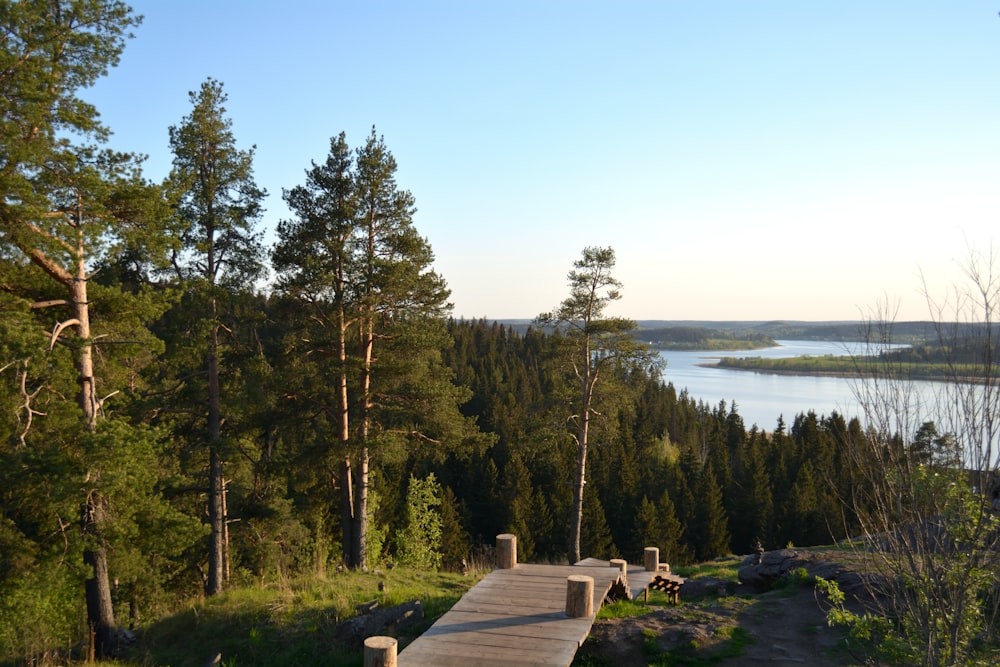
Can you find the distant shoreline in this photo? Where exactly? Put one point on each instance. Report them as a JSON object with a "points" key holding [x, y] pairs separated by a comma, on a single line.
{"points": [[856, 375]]}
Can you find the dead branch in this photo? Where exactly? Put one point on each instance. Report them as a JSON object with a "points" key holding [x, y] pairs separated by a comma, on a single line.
{"points": [[58, 330], [26, 407], [48, 304]]}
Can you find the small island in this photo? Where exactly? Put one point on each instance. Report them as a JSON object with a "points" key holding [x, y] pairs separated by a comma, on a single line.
{"points": [[924, 362]]}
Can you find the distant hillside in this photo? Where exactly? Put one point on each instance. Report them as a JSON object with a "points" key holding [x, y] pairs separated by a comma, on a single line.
{"points": [[683, 331]]}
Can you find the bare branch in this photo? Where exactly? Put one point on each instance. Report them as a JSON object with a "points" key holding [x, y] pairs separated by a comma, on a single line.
{"points": [[26, 406], [48, 304], [58, 330]]}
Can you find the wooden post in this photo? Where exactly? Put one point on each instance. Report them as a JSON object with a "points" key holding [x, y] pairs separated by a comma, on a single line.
{"points": [[622, 566], [651, 559], [506, 551], [380, 652], [579, 596]]}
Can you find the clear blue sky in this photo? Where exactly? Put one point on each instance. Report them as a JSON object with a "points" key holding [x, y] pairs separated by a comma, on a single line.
{"points": [[746, 159]]}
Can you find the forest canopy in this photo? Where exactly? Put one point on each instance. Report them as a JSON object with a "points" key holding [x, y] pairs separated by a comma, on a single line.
{"points": [[171, 430]]}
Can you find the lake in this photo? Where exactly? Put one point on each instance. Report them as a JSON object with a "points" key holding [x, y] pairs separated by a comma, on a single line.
{"points": [[761, 398]]}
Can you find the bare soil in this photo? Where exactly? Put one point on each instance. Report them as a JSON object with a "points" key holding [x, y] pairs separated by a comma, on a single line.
{"points": [[785, 625]]}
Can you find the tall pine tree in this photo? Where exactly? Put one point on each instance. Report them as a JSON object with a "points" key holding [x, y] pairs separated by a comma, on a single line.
{"points": [[218, 205]]}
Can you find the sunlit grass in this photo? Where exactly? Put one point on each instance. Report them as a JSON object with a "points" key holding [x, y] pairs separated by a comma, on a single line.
{"points": [[726, 568], [623, 609], [289, 623]]}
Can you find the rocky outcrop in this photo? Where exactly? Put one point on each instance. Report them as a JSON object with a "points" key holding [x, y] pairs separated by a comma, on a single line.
{"points": [[759, 571]]}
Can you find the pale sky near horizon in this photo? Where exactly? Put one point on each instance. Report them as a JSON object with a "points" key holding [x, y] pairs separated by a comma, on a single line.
{"points": [[747, 160]]}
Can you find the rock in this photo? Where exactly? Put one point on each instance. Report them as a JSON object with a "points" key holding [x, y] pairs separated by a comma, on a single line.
{"points": [[773, 566], [694, 589], [353, 631]]}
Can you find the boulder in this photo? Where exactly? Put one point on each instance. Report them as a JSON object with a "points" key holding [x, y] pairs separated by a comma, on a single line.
{"points": [[772, 566], [377, 621]]}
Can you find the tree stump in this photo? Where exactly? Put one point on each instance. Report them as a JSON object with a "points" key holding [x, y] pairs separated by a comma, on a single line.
{"points": [[579, 596], [506, 551], [380, 652], [651, 559]]}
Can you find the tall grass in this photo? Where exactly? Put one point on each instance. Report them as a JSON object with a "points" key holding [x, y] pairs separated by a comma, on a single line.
{"points": [[294, 623], [288, 622]]}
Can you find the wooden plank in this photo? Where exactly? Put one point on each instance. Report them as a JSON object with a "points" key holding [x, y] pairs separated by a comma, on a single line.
{"points": [[514, 616], [557, 627], [486, 639], [503, 604], [452, 654]]}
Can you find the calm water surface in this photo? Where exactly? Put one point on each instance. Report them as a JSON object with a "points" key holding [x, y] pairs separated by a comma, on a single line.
{"points": [[761, 398]]}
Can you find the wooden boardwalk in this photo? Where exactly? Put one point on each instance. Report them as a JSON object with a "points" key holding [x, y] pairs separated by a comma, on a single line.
{"points": [[517, 617]]}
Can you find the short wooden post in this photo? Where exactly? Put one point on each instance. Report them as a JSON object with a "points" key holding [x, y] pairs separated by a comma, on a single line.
{"points": [[506, 551], [651, 559], [380, 652], [579, 596], [622, 566]]}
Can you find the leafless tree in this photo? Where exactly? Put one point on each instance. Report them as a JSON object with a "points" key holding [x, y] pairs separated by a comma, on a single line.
{"points": [[928, 526]]}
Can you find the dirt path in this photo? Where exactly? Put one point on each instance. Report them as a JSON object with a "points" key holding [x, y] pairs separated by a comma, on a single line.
{"points": [[791, 629]]}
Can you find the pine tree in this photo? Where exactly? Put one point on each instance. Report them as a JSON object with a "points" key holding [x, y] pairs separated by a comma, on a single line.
{"points": [[594, 346], [455, 541], [657, 526], [754, 516], [355, 259], [709, 532], [218, 205], [595, 536], [66, 208]]}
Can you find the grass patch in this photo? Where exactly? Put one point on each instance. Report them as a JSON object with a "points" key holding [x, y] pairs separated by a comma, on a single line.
{"points": [[292, 623], [721, 568], [622, 609], [794, 580], [734, 640]]}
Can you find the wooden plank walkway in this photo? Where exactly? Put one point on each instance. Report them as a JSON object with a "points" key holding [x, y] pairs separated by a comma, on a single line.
{"points": [[517, 617]]}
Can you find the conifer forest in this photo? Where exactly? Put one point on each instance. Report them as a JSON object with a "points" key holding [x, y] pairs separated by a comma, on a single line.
{"points": [[185, 407]]}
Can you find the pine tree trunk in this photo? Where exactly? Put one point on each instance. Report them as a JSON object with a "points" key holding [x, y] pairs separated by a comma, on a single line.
{"points": [[225, 533], [360, 538], [360, 552], [344, 436], [576, 522], [580, 479], [347, 512], [216, 512], [100, 610], [216, 521]]}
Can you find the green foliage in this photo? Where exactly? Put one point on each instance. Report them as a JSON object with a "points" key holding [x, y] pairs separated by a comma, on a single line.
{"points": [[39, 613], [418, 544], [377, 535], [869, 633], [218, 201], [942, 607], [293, 622]]}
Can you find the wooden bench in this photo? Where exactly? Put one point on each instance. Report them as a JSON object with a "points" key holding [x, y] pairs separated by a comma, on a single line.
{"points": [[669, 584]]}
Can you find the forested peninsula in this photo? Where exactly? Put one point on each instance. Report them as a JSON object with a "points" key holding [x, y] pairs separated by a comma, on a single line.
{"points": [[959, 359]]}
